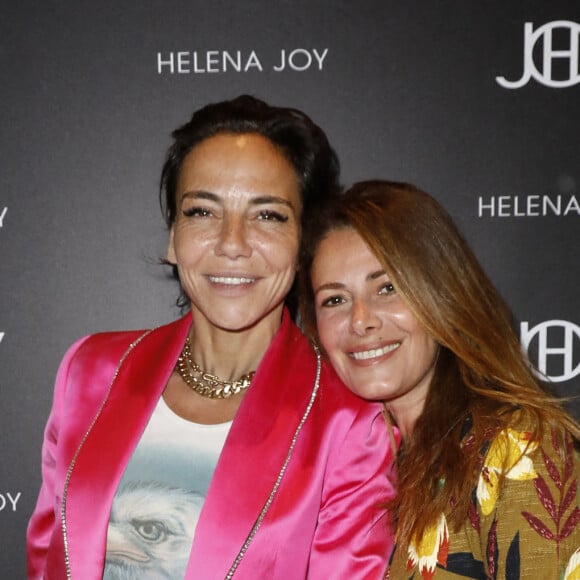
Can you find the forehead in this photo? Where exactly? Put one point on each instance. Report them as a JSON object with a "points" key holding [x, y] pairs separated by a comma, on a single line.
{"points": [[242, 162], [229, 152], [343, 254], [342, 239]]}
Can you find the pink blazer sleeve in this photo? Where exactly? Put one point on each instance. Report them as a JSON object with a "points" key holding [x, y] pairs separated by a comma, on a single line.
{"points": [[353, 538], [45, 515]]}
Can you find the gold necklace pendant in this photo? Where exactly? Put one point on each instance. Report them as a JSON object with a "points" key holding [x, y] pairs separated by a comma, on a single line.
{"points": [[205, 384]]}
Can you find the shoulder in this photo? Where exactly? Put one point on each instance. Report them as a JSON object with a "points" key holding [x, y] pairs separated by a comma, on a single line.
{"points": [[336, 394], [520, 440], [95, 350], [112, 345], [355, 422], [333, 397], [97, 356], [525, 476], [102, 342], [527, 497]]}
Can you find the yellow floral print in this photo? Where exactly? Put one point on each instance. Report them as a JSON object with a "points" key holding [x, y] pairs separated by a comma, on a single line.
{"points": [[508, 451], [573, 569], [430, 550]]}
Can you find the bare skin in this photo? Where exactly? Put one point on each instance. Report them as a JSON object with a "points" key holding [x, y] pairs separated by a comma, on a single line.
{"points": [[235, 243]]}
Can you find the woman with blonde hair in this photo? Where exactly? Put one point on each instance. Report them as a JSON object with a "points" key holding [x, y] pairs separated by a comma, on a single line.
{"points": [[488, 465]]}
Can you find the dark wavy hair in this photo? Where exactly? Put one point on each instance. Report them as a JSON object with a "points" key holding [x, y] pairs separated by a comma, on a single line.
{"points": [[303, 143]]}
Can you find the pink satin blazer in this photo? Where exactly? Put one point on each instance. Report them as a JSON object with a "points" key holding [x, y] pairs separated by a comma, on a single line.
{"points": [[296, 490]]}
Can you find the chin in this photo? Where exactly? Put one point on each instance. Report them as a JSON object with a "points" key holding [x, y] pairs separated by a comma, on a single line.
{"points": [[367, 390], [237, 324], [242, 318], [370, 395]]}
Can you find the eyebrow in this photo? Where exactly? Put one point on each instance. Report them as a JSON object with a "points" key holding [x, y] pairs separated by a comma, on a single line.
{"points": [[266, 199], [329, 286], [340, 285], [200, 194], [375, 275], [261, 200]]}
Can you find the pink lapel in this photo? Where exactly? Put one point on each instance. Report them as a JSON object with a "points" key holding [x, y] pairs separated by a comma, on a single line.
{"points": [[114, 434], [254, 452]]}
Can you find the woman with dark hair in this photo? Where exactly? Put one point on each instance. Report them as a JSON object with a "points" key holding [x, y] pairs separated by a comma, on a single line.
{"points": [[487, 467], [219, 445]]}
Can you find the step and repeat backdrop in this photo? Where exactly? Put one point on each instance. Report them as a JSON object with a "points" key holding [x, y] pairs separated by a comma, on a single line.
{"points": [[476, 102]]}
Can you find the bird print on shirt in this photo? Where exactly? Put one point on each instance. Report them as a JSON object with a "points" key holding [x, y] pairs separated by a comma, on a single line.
{"points": [[150, 531]]}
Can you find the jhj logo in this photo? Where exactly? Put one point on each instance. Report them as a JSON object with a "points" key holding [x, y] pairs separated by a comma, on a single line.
{"points": [[555, 339], [545, 75]]}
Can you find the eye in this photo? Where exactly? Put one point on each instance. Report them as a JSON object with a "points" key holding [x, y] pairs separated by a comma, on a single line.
{"points": [[387, 289], [332, 301], [272, 216], [151, 530], [196, 211]]}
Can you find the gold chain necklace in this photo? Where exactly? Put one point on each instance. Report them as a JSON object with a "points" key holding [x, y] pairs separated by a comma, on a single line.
{"points": [[205, 384]]}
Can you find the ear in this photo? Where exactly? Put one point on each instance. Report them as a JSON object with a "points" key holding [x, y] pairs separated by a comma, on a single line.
{"points": [[171, 258]]}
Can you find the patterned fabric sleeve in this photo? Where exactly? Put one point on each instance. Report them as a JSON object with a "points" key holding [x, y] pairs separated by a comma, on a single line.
{"points": [[529, 529], [532, 528]]}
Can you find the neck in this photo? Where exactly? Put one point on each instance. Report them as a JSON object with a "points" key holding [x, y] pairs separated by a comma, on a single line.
{"points": [[229, 354], [404, 416]]}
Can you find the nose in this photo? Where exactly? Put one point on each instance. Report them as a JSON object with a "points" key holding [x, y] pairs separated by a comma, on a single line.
{"points": [[363, 318], [233, 241]]}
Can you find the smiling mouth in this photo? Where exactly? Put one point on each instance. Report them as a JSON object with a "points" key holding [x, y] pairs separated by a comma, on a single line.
{"points": [[374, 352], [231, 280]]}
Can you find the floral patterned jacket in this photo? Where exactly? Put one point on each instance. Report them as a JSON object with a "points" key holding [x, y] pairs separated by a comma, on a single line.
{"points": [[531, 529]]}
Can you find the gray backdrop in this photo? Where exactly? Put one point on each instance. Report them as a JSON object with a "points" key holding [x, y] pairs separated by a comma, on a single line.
{"points": [[408, 91]]}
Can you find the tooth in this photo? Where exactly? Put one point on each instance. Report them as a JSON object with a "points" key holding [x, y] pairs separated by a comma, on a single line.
{"points": [[230, 280], [375, 352]]}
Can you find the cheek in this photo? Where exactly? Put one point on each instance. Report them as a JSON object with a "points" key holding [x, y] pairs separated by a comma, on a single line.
{"points": [[406, 322], [425, 349], [281, 253], [189, 240], [431, 350], [329, 331], [188, 255]]}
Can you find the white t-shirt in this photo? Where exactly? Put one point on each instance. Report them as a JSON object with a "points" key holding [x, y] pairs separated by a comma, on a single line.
{"points": [[159, 498]]}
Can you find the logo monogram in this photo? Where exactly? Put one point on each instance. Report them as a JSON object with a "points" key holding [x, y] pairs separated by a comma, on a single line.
{"points": [[553, 331], [544, 76]]}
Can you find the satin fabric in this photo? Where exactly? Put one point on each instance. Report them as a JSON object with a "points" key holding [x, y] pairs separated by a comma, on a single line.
{"points": [[325, 520]]}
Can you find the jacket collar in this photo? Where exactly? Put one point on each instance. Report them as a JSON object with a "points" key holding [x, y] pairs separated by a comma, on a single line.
{"points": [[255, 451], [249, 464], [107, 446]]}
